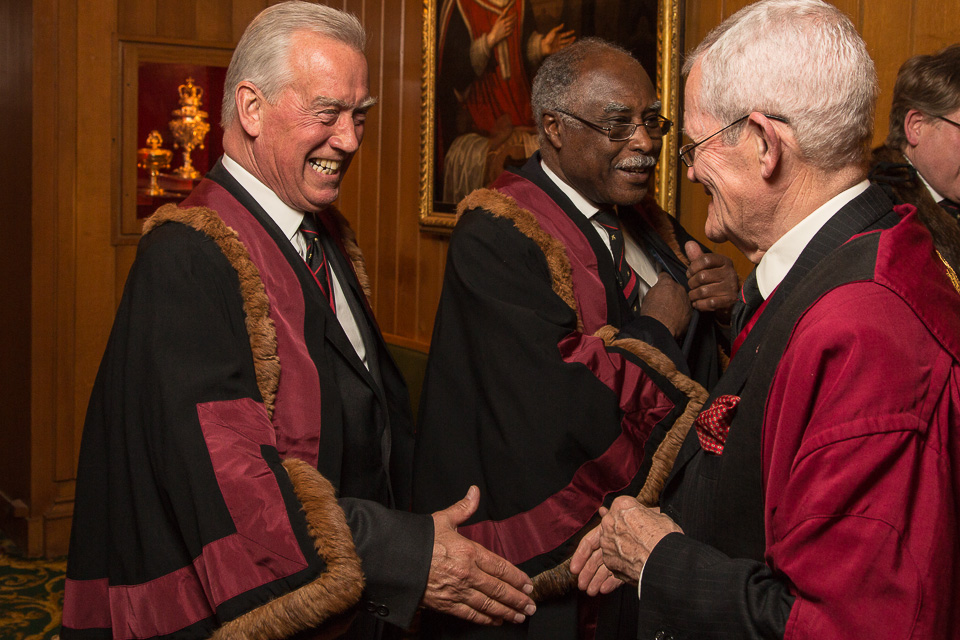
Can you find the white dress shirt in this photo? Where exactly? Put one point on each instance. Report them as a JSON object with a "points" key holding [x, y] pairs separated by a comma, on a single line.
{"points": [[782, 255], [289, 219], [646, 268]]}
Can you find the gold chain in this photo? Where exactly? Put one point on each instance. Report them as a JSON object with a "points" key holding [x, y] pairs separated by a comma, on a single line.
{"points": [[950, 272]]}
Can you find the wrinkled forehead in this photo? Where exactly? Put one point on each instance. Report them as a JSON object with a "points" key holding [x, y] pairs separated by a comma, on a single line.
{"points": [[612, 85]]}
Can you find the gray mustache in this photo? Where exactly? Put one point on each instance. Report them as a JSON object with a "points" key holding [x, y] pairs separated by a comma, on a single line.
{"points": [[637, 163]]}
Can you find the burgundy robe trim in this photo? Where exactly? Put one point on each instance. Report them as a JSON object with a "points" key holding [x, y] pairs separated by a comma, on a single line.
{"points": [[588, 289], [554, 521], [264, 548], [299, 397]]}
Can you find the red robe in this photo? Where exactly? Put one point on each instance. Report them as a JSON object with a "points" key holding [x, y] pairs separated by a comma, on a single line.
{"points": [[861, 453]]}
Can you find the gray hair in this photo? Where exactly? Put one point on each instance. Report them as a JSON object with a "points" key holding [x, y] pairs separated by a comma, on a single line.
{"points": [[928, 83], [799, 59], [553, 85], [262, 55]]}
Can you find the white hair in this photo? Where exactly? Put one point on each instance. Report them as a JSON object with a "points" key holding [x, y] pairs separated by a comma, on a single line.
{"points": [[262, 55], [799, 59]]}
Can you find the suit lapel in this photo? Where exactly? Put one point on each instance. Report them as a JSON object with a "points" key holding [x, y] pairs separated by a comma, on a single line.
{"points": [[866, 212], [616, 304], [331, 329]]}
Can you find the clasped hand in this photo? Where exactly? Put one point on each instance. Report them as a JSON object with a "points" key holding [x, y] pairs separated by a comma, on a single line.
{"points": [[615, 551]]}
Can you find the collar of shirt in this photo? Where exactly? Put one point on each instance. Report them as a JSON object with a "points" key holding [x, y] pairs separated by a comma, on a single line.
{"points": [[287, 218], [780, 258], [583, 205], [933, 192], [639, 260]]}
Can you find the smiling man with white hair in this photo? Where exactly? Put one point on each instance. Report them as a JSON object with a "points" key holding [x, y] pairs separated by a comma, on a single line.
{"points": [[246, 455], [817, 495]]}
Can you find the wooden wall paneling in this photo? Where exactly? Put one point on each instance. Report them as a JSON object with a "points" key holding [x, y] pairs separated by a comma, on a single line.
{"points": [[372, 225], [887, 29], [177, 19], [937, 24], [16, 102], [243, 12], [214, 23], [92, 298], [137, 18], [388, 205]]}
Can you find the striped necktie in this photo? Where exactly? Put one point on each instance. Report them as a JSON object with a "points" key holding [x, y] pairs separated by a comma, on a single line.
{"points": [[316, 257], [626, 277], [746, 305]]}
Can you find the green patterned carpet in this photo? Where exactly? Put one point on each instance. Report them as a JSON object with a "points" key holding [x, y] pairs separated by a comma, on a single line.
{"points": [[31, 595]]}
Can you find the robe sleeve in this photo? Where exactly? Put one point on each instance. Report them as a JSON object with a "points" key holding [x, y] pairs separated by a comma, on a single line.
{"points": [[187, 521], [548, 421]]}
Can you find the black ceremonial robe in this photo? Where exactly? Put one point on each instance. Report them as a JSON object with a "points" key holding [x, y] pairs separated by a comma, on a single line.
{"points": [[532, 394], [226, 385]]}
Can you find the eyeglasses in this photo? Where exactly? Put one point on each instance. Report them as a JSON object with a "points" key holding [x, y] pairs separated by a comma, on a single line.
{"points": [[956, 124], [656, 125], [687, 150]]}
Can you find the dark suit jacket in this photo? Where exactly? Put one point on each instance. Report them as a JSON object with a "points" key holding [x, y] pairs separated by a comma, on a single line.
{"points": [[712, 581]]}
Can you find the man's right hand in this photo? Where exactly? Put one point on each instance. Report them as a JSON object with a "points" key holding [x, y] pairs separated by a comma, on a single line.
{"points": [[470, 582], [667, 301]]}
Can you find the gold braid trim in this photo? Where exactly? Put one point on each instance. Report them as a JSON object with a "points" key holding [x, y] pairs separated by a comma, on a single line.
{"points": [[503, 206], [329, 598], [256, 305], [950, 272]]}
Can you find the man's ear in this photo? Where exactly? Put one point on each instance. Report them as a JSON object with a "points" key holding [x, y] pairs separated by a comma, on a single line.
{"points": [[912, 123], [551, 127], [249, 108], [768, 142]]}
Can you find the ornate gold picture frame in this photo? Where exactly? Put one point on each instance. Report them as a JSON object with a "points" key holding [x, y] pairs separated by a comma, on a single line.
{"points": [[649, 28]]}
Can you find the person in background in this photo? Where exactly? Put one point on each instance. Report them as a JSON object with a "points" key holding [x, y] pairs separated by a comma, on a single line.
{"points": [[919, 163]]}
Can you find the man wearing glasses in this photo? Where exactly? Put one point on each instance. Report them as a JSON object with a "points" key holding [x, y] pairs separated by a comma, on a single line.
{"points": [[818, 494], [577, 321], [920, 162]]}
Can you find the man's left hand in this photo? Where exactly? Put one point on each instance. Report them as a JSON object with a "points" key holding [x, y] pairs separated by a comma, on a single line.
{"points": [[713, 281], [628, 534]]}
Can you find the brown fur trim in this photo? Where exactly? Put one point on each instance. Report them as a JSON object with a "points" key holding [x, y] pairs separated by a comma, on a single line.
{"points": [[352, 249], [503, 206], [327, 597], [256, 305], [558, 580], [943, 228]]}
